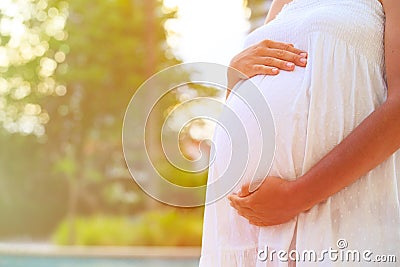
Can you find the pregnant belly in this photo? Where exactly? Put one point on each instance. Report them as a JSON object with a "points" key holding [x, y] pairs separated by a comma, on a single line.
{"points": [[287, 98]]}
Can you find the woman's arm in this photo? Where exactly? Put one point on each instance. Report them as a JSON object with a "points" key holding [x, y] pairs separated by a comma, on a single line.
{"points": [[368, 145], [372, 142]]}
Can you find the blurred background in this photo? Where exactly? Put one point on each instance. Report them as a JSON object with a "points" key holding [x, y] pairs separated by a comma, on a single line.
{"points": [[67, 72]]}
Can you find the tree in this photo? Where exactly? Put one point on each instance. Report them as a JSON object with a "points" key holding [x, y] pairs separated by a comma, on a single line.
{"points": [[31, 48], [31, 38], [90, 63], [108, 50], [68, 70]]}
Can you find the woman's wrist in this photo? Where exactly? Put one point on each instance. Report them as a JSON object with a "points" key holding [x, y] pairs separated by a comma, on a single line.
{"points": [[232, 81], [233, 76], [299, 196]]}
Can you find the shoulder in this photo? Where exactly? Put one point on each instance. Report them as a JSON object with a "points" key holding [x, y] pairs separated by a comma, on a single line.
{"points": [[275, 8], [392, 45], [392, 12], [390, 5]]}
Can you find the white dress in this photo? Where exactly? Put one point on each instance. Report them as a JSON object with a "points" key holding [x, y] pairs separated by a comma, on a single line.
{"points": [[314, 109]]}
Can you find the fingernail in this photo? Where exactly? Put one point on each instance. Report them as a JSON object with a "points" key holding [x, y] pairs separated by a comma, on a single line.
{"points": [[303, 60], [290, 64], [303, 54], [275, 70]]}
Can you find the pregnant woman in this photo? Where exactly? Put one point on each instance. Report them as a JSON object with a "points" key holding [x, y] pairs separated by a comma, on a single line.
{"points": [[331, 197]]}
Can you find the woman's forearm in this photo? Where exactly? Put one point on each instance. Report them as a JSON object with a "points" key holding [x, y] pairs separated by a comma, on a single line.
{"points": [[368, 145], [371, 142]]}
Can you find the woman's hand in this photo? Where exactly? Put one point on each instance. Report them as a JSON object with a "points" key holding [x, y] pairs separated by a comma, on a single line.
{"points": [[274, 202], [267, 58]]}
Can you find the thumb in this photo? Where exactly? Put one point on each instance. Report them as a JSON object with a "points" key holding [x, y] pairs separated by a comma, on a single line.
{"points": [[244, 191]]}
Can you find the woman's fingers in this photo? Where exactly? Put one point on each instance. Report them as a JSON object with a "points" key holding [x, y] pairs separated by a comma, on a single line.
{"points": [[298, 59], [265, 70], [268, 58], [282, 46], [244, 190], [281, 58], [276, 63], [283, 51], [258, 223]]}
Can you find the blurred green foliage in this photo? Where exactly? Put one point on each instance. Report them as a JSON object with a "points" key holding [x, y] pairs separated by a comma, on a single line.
{"points": [[61, 153], [67, 72], [155, 228], [31, 199]]}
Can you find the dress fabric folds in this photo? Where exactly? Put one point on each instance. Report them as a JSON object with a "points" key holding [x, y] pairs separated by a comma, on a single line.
{"points": [[314, 109]]}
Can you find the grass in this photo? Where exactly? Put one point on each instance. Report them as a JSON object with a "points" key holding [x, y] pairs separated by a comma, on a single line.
{"points": [[155, 228]]}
